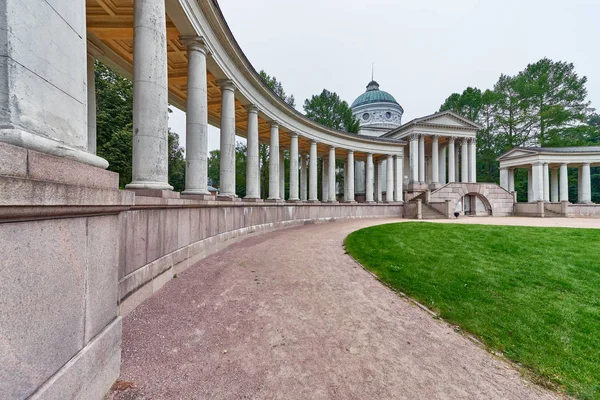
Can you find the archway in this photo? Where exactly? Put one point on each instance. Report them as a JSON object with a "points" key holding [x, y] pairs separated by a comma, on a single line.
{"points": [[473, 204]]}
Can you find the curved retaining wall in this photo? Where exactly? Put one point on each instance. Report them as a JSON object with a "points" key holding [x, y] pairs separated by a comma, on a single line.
{"points": [[163, 237]]}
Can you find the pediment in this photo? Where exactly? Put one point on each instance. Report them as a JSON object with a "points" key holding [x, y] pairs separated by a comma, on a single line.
{"points": [[516, 153], [448, 118]]}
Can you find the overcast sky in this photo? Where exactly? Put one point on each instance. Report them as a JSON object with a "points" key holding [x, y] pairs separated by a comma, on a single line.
{"points": [[422, 50]]}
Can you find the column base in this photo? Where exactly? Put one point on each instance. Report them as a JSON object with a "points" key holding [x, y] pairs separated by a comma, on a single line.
{"points": [[313, 201], [144, 185], [370, 202], [162, 193], [296, 201], [332, 202], [275, 201], [253, 199], [232, 198], [190, 196]]}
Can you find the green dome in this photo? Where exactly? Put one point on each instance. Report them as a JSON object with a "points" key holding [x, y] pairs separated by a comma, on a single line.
{"points": [[373, 95]]}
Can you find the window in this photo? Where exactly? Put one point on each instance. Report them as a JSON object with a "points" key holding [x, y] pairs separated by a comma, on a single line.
{"points": [[365, 116], [388, 115]]}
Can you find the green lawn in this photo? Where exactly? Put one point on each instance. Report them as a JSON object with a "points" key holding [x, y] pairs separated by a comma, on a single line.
{"points": [[531, 293]]}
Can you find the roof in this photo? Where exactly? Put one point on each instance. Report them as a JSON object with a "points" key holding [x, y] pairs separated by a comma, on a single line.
{"points": [[373, 95], [579, 149], [430, 119]]}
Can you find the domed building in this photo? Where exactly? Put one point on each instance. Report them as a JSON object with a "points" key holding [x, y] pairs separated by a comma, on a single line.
{"points": [[377, 110]]}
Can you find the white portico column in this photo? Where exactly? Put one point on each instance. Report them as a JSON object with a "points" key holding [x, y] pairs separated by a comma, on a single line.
{"points": [[564, 183], [294, 167], [398, 165], [464, 161], [369, 179], [473, 160], [389, 188], [252, 161], [281, 173], [196, 139], [530, 184], [442, 165], [331, 166], [586, 184], [554, 185], [504, 178], [274, 162], [312, 172], [350, 182], [451, 161], [546, 182], [511, 180], [421, 160], [435, 163], [414, 158], [91, 105], [150, 97], [303, 176], [537, 183], [227, 139], [325, 179]]}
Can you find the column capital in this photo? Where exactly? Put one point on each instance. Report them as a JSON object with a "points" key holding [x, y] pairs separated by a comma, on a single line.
{"points": [[274, 124], [414, 136], [451, 139], [537, 163], [435, 138], [195, 43], [313, 142], [251, 108], [293, 134], [350, 151], [586, 164], [226, 84], [332, 148]]}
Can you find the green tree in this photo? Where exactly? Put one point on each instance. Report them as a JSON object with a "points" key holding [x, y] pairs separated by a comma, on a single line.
{"points": [[277, 87], [328, 109]]}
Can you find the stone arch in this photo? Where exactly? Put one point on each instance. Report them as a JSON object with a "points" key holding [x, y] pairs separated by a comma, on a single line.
{"points": [[474, 204]]}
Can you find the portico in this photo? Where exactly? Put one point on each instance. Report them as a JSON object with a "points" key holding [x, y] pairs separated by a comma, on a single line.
{"points": [[548, 178]]}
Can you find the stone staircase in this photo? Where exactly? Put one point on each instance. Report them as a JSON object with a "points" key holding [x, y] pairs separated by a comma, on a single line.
{"points": [[551, 214], [428, 212]]}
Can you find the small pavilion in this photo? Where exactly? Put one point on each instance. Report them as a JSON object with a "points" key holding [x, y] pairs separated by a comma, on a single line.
{"points": [[548, 171]]}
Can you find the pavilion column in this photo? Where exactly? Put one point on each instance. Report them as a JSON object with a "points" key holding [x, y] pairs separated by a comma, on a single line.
{"points": [[312, 172], [473, 160], [398, 166], [196, 139], [414, 159], [252, 162], [346, 180], [150, 97], [227, 188], [564, 183], [294, 167], [511, 180], [303, 176], [586, 184], [464, 161], [281, 173], [435, 162], [369, 179], [325, 178], [421, 160], [451, 161], [537, 183], [274, 162], [530, 184], [442, 165], [554, 185], [389, 188], [546, 182], [458, 162], [350, 182], [504, 178], [91, 105], [331, 166], [378, 182]]}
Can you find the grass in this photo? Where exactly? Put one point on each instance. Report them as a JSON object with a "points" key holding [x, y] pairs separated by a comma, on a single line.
{"points": [[531, 293]]}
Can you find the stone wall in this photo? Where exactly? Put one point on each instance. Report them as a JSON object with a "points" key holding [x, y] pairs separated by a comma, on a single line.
{"points": [[529, 209], [163, 237], [584, 210]]}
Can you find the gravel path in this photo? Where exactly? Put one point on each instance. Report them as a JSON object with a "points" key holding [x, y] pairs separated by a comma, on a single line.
{"points": [[288, 315]]}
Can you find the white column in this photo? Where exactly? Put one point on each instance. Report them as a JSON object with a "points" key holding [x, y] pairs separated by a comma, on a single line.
{"points": [[504, 178], [294, 167], [564, 183], [196, 128], [586, 184], [91, 106], [281, 173], [350, 175], [312, 172], [378, 183], [546, 182], [389, 188], [227, 188], [458, 160], [274, 162], [369, 179], [554, 185], [346, 179], [325, 179], [530, 184], [511, 180], [150, 97], [435, 162], [331, 166], [451, 161], [421, 160], [414, 159], [537, 183], [303, 177], [398, 166], [473, 160], [252, 156], [442, 165], [464, 161]]}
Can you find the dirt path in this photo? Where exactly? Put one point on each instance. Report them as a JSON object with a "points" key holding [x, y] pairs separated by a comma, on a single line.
{"points": [[289, 315]]}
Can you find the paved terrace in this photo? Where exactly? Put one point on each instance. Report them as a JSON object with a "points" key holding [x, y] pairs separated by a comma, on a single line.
{"points": [[288, 315]]}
